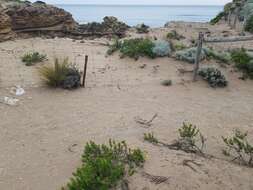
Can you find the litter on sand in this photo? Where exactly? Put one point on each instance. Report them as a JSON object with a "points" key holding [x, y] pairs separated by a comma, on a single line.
{"points": [[17, 90], [9, 101]]}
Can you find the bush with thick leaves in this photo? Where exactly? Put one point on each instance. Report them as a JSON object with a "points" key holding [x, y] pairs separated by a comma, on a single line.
{"points": [[213, 76]]}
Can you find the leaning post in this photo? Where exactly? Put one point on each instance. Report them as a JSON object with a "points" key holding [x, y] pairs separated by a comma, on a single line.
{"points": [[85, 70], [198, 54]]}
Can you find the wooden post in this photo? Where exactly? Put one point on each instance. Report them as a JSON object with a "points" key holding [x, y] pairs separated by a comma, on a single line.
{"points": [[85, 70], [198, 54]]}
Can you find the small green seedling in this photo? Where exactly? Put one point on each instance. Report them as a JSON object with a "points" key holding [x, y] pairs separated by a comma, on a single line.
{"points": [[239, 148], [32, 58], [150, 138]]}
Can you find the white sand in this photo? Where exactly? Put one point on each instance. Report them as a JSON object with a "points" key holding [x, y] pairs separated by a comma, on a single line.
{"points": [[37, 136]]}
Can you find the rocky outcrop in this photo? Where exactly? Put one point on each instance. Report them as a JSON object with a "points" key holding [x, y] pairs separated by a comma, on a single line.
{"points": [[110, 26], [6, 32], [237, 14], [31, 16], [18, 18]]}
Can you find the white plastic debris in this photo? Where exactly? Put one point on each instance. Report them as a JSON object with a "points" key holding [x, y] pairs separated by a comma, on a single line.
{"points": [[9, 101], [17, 90]]}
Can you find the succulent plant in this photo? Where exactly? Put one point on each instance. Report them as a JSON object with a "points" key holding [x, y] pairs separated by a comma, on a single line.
{"points": [[213, 76]]}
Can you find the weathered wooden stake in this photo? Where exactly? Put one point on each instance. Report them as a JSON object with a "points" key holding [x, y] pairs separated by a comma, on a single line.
{"points": [[198, 54], [85, 70]]}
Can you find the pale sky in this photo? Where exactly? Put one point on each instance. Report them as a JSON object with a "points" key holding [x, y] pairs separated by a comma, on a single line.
{"points": [[141, 2]]}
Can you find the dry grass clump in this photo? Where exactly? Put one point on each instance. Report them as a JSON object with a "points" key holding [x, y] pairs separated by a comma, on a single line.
{"points": [[61, 74]]}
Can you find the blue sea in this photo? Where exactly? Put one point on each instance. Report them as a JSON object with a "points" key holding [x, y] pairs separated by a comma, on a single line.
{"points": [[154, 16]]}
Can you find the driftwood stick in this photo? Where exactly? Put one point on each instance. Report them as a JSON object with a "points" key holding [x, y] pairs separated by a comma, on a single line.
{"points": [[198, 54], [85, 70]]}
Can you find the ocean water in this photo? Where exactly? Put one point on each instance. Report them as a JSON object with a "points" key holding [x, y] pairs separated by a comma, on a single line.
{"points": [[154, 16]]}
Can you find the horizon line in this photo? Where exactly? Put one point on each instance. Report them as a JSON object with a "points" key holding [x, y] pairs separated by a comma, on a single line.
{"points": [[133, 4]]}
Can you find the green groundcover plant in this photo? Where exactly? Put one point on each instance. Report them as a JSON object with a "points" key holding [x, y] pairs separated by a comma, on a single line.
{"points": [[105, 166]]}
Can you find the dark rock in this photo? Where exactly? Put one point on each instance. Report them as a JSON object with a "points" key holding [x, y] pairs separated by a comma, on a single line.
{"points": [[142, 28], [109, 26]]}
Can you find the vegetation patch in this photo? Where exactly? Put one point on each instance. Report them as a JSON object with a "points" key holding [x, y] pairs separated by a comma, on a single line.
{"points": [[150, 138], [190, 140], [239, 148], [177, 46], [105, 166], [243, 62], [32, 58], [133, 48], [142, 28], [189, 55], [213, 76], [173, 35], [166, 83], [62, 75], [219, 56], [249, 24], [161, 48], [216, 19]]}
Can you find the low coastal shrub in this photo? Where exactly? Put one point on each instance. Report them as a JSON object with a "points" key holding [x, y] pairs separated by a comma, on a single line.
{"points": [[142, 28], [249, 24], [115, 46], [190, 139], [133, 48], [161, 48], [173, 35], [32, 58], [149, 137], [216, 19], [213, 76], [62, 75], [105, 166], [166, 82], [189, 55], [219, 56], [239, 148], [243, 61], [177, 46]]}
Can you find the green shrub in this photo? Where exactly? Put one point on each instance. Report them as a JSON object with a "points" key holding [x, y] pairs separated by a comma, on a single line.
{"points": [[116, 45], [161, 48], [105, 166], [142, 28], [213, 76], [150, 138], [191, 140], [189, 55], [166, 83], [173, 35], [240, 57], [218, 18], [31, 58], [249, 24], [178, 46], [219, 56], [60, 75], [135, 48], [243, 62], [239, 148]]}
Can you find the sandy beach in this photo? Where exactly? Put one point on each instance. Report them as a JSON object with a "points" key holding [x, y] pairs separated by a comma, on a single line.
{"points": [[42, 138]]}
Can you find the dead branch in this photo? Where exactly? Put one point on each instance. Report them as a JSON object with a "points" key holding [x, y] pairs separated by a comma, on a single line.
{"points": [[155, 179], [147, 123]]}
